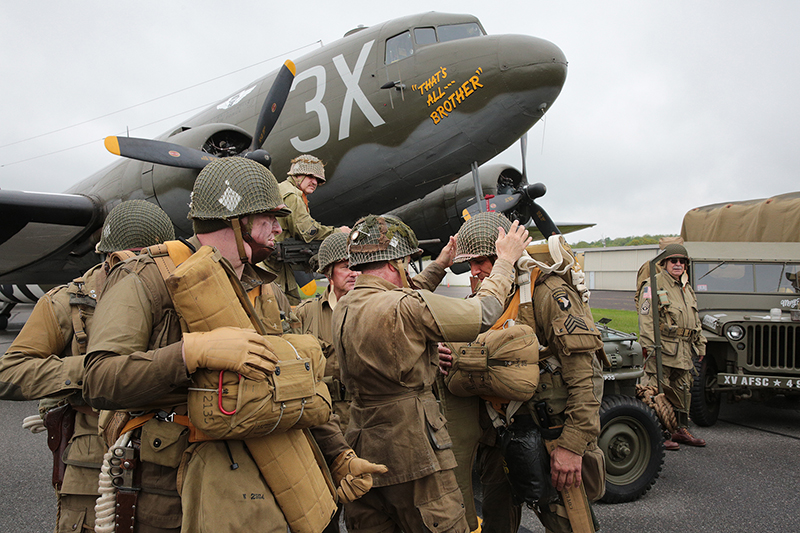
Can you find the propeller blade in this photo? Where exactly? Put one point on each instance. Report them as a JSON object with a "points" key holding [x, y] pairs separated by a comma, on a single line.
{"points": [[273, 105], [306, 282], [543, 221], [501, 203], [160, 152]]}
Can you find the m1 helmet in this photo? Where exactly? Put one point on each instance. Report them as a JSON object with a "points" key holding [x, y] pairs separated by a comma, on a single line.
{"points": [[307, 165], [233, 187], [674, 250], [381, 238], [135, 224], [332, 250], [478, 235]]}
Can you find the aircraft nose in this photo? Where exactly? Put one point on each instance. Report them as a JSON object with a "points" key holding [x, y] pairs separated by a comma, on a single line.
{"points": [[537, 58]]}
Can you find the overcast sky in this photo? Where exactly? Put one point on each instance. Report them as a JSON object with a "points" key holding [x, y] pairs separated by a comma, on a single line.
{"points": [[667, 105]]}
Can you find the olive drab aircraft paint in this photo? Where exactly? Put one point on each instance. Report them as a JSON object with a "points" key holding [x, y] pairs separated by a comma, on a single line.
{"points": [[396, 111]]}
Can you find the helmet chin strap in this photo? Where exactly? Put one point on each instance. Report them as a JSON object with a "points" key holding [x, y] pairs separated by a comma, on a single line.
{"points": [[258, 251], [402, 268]]}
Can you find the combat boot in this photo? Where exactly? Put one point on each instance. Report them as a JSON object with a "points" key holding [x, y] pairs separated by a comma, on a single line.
{"points": [[670, 444], [684, 437]]}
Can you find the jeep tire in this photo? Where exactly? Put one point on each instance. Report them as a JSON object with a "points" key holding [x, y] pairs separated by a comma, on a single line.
{"points": [[633, 444], [704, 409]]}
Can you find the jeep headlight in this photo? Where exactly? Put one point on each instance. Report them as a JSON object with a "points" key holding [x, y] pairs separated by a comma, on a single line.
{"points": [[735, 333]]}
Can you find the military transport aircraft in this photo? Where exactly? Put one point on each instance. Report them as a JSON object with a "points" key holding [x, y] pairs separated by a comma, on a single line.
{"points": [[396, 110]]}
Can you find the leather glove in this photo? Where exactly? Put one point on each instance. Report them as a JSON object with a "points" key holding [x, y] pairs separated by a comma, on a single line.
{"points": [[353, 475], [229, 348]]}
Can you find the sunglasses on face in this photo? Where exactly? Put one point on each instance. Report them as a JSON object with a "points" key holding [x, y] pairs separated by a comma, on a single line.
{"points": [[675, 260]]}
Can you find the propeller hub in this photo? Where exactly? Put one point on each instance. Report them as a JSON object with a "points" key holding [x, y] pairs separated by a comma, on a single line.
{"points": [[534, 191], [260, 156]]}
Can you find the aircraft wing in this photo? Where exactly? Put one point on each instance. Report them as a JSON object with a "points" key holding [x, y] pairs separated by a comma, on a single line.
{"points": [[565, 227], [46, 234]]}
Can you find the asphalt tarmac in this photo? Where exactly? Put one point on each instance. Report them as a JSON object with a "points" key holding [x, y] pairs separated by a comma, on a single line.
{"points": [[745, 479]]}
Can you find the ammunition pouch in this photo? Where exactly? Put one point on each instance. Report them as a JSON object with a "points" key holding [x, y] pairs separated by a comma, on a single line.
{"points": [[60, 424], [674, 331], [499, 363]]}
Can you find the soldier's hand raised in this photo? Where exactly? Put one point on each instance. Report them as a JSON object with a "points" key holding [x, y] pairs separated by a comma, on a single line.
{"points": [[448, 253], [229, 348], [510, 245]]}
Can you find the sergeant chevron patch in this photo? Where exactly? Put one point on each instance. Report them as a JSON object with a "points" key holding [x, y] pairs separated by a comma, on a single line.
{"points": [[573, 323]]}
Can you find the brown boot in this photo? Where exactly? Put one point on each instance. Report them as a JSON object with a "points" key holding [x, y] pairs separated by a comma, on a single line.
{"points": [[671, 445], [684, 437]]}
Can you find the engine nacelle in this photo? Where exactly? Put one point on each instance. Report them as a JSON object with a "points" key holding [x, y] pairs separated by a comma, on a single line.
{"points": [[440, 214]]}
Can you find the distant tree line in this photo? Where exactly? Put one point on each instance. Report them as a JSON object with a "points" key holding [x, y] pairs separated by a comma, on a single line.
{"points": [[621, 241]]}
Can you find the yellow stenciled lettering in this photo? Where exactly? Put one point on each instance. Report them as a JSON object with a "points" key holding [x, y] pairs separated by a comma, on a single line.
{"points": [[459, 95], [431, 100], [441, 111], [451, 99], [474, 81], [467, 89], [435, 117], [444, 72], [448, 106]]}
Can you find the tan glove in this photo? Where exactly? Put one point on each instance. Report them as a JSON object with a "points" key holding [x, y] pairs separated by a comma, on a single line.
{"points": [[353, 475], [228, 348]]}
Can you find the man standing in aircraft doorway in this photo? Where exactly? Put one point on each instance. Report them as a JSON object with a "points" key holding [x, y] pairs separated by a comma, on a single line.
{"points": [[305, 175]]}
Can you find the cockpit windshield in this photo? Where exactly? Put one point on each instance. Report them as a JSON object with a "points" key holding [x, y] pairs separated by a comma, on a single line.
{"points": [[453, 32], [401, 46]]}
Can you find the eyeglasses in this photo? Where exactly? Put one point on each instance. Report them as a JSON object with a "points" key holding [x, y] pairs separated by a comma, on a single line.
{"points": [[680, 260]]}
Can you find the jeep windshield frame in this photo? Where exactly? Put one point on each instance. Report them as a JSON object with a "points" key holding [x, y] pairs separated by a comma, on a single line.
{"points": [[746, 277]]}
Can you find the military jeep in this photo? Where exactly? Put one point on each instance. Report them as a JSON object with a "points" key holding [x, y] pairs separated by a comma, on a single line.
{"points": [[748, 298], [630, 433]]}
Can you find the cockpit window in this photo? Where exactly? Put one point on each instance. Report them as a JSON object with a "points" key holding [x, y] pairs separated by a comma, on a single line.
{"points": [[399, 47], [452, 32], [424, 36]]}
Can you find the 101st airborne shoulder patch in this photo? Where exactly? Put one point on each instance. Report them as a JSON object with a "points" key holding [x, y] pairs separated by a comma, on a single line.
{"points": [[562, 299]]}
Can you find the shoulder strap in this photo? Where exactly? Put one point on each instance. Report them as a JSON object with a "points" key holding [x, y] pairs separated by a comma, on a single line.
{"points": [[78, 316], [511, 312], [168, 256], [118, 257]]}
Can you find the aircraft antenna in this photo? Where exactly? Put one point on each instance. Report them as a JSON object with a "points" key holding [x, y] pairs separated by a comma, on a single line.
{"points": [[523, 144]]}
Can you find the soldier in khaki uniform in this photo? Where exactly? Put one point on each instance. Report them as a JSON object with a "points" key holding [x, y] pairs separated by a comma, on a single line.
{"points": [[305, 175], [571, 383], [681, 338], [315, 315], [46, 359], [141, 361], [385, 334]]}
